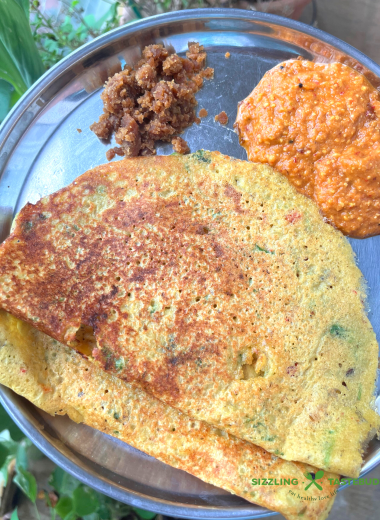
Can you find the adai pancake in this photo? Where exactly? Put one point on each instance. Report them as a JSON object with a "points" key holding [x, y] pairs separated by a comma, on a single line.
{"points": [[60, 381], [216, 287]]}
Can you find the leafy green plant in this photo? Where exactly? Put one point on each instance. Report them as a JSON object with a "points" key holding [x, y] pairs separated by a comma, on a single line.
{"points": [[31, 41], [79, 501], [14, 462], [20, 62], [68, 498], [57, 36]]}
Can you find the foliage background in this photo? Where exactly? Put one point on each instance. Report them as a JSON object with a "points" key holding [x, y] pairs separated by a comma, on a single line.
{"points": [[64, 496], [33, 39]]}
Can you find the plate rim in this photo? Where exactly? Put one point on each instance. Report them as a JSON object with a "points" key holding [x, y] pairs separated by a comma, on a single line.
{"points": [[41, 440]]}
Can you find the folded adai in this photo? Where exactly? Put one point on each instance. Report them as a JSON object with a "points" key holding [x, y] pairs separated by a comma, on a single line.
{"points": [[213, 285], [60, 381]]}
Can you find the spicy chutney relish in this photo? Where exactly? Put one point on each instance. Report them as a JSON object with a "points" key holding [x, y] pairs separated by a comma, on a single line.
{"points": [[319, 124]]}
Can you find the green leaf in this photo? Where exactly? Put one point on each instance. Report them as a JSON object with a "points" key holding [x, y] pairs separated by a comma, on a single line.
{"points": [[82, 32], [71, 36], [67, 28], [90, 20], [6, 440], [27, 483], [20, 62], [24, 4], [107, 15], [14, 515], [93, 516], [146, 515], [63, 483], [21, 457], [71, 516], [64, 507], [4, 468], [105, 508], [85, 501], [5, 435], [14, 98], [51, 45], [6, 90], [7, 446], [7, 423]]}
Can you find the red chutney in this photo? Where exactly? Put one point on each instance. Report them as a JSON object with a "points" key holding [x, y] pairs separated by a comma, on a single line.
{"points": [[319, 124]]}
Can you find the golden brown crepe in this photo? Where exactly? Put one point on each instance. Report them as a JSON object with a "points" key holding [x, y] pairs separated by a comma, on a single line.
{"points": [[216, 287], [60, 381]]}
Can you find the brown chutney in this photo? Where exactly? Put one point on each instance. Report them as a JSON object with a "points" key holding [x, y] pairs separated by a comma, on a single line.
{"points": [[319, 125]]}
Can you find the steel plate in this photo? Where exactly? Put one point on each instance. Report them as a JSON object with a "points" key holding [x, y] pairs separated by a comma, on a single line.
{"points": [[41, 151]]}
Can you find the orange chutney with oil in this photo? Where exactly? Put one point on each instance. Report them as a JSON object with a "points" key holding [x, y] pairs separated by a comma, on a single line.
{"points": [[319, 125]]}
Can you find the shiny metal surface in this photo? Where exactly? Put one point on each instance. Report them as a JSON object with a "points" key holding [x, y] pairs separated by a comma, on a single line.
{"points": [[41, 151]]}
